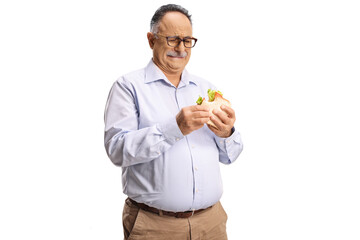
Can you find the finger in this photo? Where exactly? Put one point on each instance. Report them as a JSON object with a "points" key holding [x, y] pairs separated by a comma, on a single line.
{"points": [[201, 114], [214, 129], [218, 123], [222, 116], [200, 122], [230, 112], [195, 108]]}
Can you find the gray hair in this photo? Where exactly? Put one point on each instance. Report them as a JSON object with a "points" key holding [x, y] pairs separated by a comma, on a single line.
{"points": [[155, 20]]}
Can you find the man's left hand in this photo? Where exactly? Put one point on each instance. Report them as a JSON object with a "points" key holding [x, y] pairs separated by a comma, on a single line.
{"points": [[224, 120]]}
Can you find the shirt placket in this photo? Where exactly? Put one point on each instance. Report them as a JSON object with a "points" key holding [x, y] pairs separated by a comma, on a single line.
{"points": [[182, 103]]}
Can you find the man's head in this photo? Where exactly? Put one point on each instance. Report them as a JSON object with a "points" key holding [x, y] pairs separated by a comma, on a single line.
{"points": [[154, 24], [170, 54]]}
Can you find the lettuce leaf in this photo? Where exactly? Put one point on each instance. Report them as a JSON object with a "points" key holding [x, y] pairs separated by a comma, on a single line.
{"points": [[211, 94], [199, 101]]}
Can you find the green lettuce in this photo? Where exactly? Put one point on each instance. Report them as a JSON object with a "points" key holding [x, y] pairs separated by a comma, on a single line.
{"points": [[211, 94]]}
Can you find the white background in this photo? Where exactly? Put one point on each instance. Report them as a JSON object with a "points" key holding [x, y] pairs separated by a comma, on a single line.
{"points": [[290, 68]]}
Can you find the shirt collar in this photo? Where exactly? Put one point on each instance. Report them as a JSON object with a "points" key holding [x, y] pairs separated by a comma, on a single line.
{"points": [[153, 73]]}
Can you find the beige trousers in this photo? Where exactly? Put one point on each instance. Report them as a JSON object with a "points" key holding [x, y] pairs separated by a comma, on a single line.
{"points": [[209, 224]]}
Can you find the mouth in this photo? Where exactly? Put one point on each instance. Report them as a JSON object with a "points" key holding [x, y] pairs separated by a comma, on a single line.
{"points": [[176, 57]]}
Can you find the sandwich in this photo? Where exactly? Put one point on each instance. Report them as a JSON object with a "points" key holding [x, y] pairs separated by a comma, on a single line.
{"points": [[215, 101]]}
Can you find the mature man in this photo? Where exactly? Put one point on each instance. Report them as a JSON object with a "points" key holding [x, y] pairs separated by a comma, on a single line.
{"points": [[169, 156]]}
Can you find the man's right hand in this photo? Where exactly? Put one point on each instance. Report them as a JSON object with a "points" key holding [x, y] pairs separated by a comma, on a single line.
{"points": [[192, 118]]}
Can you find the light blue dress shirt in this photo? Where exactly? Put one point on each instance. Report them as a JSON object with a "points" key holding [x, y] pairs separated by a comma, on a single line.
{"points": [[160, 166]]}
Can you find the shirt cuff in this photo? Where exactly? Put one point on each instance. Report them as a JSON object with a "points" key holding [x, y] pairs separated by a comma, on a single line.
{"points": [[171, 131], [224, 143]]}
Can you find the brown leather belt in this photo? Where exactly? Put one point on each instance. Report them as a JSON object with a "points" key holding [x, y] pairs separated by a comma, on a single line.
{"points": [[147, 208]]}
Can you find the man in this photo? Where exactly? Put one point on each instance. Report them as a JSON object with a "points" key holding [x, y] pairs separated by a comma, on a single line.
{"points": [[156, 133]]}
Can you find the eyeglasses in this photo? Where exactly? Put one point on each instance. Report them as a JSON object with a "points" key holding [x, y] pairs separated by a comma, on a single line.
{"points": [[174, 41]]}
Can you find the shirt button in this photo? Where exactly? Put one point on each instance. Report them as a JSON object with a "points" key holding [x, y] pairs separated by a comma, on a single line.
{"points": [[197, 190], [192, 146], [196, 168], [177, 139]]}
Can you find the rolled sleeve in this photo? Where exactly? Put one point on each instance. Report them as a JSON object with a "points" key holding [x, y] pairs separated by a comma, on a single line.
{"points": [[171, 131], [230, 147]]}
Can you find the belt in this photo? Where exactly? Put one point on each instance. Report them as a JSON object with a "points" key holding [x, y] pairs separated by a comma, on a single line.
{"points": [[147, 208]]}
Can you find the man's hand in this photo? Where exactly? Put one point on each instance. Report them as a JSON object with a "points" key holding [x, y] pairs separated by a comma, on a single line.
{"points": [[192, 118], [224, 120]]}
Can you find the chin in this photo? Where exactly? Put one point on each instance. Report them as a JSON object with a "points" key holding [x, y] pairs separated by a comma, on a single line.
{"points": [[179, 61]]}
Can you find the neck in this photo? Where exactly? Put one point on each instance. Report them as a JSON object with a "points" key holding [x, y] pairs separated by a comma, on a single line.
{"points": [[174, 78]]}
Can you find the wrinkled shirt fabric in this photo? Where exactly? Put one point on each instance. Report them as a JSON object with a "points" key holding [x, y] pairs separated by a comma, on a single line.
{"points": [[160, 166]]}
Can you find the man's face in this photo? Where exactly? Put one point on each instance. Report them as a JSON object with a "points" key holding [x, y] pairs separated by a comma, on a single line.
{"points": [[171, 60]]}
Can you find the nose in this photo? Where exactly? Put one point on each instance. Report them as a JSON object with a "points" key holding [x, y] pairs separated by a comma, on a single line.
{"points": [[180, 48]]}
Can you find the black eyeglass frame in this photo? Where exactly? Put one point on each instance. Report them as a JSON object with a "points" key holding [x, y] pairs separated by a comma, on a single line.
{"points": [[179, 39]]}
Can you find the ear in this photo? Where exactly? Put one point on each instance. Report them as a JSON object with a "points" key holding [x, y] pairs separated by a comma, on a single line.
{"points": [[151, 38]]}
